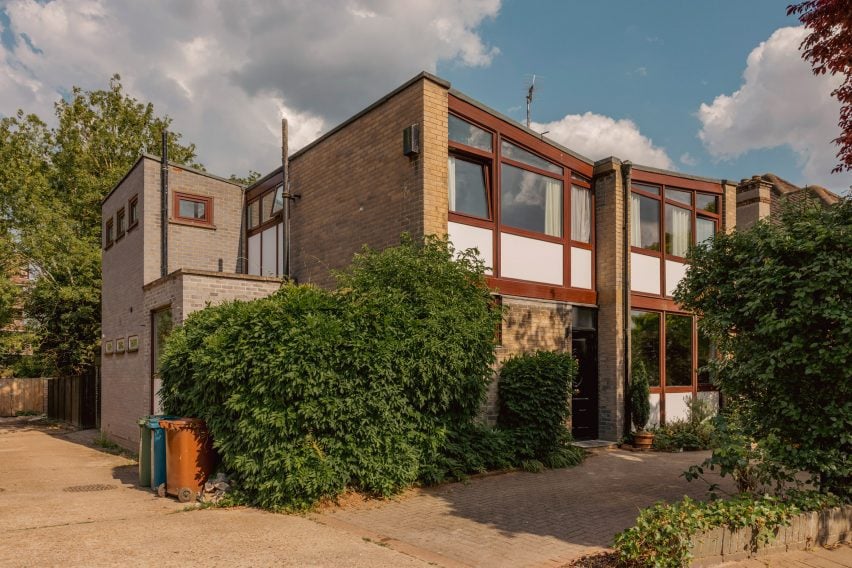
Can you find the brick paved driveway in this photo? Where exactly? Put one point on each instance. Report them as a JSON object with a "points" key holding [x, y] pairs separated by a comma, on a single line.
{"points": [[524, 519]]}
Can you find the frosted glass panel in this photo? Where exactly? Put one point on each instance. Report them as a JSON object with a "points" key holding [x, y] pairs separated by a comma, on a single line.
{"points": [[581, 268], [466, 237], [269, 252], [530, 259], [254, 255], [674, 273], [644, 273], [676, 406], [654, 399]]}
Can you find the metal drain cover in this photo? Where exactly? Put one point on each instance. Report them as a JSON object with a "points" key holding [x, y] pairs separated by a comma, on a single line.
{"points": [[93, 487]]}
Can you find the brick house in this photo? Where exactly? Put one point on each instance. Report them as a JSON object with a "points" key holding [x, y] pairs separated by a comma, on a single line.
{"points": [[759, 197], [584, 254]]}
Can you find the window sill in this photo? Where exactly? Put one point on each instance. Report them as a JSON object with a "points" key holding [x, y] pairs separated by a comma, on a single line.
{"points": [[133, 226], [109, 246], [188, 223]]}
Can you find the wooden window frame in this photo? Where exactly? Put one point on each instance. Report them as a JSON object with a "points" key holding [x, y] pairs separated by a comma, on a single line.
{"points": [[695, 387], [109, 237], [693, 187], [132, 205], [461, 152], [208, 209], [120, 222], [264, 224], [574, 171]]}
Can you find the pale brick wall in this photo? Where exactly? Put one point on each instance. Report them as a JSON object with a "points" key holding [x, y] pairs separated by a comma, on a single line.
{"points": [[729, 206], [123, 385], [528, 325], [133, 263], [435, 201], [357, 187], [609, 226], [192, 246], [753, 202]]}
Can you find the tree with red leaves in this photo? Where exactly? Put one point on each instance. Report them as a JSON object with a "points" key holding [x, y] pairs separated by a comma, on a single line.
{"points": [[828, 48]]}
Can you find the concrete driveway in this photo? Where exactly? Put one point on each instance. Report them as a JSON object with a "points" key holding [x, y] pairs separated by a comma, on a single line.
{"points": [[64, 503]]}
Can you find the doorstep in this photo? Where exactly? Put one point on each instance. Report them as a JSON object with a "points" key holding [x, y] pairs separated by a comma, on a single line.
{"points": [[595, 445]]}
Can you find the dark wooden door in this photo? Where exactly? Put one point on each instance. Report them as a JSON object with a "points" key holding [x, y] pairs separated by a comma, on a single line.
{"points": [[584, 402]]}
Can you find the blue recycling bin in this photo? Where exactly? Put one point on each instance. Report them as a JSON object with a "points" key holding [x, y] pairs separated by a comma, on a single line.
{"points": [[157, 445]]}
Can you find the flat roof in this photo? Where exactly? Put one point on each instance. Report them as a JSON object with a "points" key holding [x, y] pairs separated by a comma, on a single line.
{"points": [[190, 169]]}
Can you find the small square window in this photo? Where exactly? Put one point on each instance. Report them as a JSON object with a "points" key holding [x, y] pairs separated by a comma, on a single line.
{"points": [[194, 208], [119, 223], [109, 236], [132, 212]]}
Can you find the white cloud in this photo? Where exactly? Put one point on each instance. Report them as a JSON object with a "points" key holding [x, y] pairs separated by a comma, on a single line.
{"points": [[688, 159], [226, 72], [779, 103], [597, 136]]}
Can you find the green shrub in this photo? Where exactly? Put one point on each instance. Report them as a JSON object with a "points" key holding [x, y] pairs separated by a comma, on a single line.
{"points": [[776, 302], [309, 392], [696, 432], [638, 396], [535, 390], [663, 533]]}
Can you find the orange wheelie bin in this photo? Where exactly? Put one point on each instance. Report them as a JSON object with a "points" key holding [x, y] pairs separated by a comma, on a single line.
{"points": [[190, 457]]}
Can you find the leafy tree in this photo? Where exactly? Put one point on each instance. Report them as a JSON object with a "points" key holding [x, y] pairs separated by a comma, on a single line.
{"points": [[828, 47], [52, 182], [777, 301]]}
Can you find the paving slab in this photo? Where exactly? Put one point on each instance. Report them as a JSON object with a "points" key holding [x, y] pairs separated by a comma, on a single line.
{"points": [[63, 503]]}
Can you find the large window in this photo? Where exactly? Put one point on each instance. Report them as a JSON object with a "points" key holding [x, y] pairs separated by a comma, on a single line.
{"points": [[666, 221], [468, 187], [646, 232], [645, 343], [522, 201], [464, 132], [706, 353], [531, 201], [678, 352]]}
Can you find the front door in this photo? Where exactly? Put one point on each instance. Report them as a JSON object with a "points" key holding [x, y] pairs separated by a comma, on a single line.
{"points": [[584, 402]]}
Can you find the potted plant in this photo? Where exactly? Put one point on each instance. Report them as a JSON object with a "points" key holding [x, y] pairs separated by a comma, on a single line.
{"points": [[640, 406]]}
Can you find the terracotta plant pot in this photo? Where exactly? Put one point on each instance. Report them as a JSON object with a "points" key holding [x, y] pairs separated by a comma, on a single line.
{"points": [[643, 440]]}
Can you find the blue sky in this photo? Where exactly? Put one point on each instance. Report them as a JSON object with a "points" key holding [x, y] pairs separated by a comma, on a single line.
{"points": [[653, 62], [711, 88]]}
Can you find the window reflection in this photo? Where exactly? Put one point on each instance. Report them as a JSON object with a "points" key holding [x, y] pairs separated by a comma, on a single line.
{"points": [[531, 201]]}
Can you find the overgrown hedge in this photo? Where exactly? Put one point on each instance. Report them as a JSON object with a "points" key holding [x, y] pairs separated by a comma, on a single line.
{"points": [[371, 386], [534, 391]]}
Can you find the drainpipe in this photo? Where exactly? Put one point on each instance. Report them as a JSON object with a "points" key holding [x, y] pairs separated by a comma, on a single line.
{"points": [[626, 169], [285, 191], [164, 207]]}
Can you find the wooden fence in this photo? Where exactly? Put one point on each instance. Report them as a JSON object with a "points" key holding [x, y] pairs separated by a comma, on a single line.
{"points": [[22, 395], [75, 399]]}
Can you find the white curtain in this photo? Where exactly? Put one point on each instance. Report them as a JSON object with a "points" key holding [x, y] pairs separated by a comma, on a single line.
{"points": [[581, 214], [553, 207], [635, 221], [451, 182], [679, 231], [704, 229]]}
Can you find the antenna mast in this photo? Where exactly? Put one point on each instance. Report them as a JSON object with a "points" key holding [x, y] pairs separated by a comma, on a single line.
{"points": [[530, 93]]}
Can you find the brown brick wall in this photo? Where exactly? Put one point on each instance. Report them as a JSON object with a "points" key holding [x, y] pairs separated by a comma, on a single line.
{"points": [[358, 188]]}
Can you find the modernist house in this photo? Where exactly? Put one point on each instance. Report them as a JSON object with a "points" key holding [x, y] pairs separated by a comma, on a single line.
{"points": [[584, 255]]}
